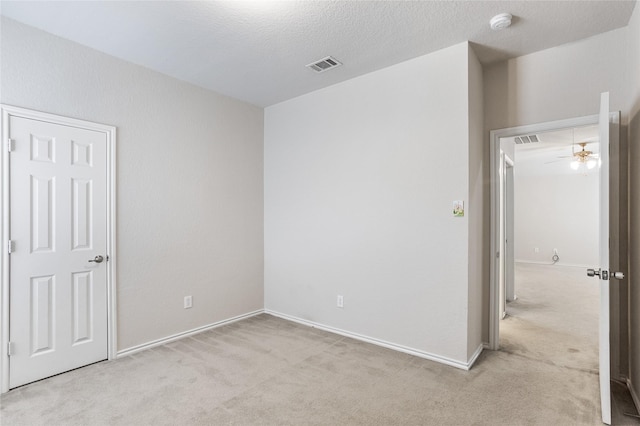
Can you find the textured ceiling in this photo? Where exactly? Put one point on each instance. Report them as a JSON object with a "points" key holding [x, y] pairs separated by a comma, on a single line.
{"points": [[256, 51]]}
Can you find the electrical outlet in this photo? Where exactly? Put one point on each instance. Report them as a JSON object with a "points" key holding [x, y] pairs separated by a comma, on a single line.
{"points": [[340, 302], [188, 302], [536, 250]]}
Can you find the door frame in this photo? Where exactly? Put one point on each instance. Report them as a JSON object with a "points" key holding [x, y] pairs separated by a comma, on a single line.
{"points": [[505, 163], [5, 200], [494, 153], [509, 255]]}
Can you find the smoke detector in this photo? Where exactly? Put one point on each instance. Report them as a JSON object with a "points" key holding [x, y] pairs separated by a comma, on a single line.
{"points": [[501, 21], [324, 64]]}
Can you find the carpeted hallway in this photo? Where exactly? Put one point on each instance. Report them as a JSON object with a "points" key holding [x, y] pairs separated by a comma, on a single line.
{"points": [[268, 371], [554, 318]]}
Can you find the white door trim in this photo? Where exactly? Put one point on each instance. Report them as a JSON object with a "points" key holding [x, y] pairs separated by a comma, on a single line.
{"points": [[110, 134], [494, 140]]}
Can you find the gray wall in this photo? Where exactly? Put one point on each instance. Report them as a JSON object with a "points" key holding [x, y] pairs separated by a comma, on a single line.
{"points": [[556, 211], [474, 207], [189, 180], [360, 180], [633, 69]]}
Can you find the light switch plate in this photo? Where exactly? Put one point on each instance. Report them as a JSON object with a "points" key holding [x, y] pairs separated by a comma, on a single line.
{"points": [[458, 208]]}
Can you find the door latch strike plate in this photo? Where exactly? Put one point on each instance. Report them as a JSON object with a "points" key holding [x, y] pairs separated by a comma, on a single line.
{"points": [[604, 275], [10, 246], [9, 349], [9, 145]]}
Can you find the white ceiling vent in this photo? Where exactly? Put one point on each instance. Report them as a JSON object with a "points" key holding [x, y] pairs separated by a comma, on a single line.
{"points": [[324, 64], [526, 139]]}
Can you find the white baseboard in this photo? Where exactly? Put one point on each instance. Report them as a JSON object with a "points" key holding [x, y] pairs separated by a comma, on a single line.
{"points": [[634, 395], [475, 355], [416, 352], [550, 263], [187, 333]]}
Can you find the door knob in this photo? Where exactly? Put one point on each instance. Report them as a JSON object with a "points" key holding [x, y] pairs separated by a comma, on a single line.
{"points": [[593, 273], [605, 274], [97, 259]]}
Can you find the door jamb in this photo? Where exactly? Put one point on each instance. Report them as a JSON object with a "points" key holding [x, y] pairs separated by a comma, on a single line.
{"points": [[505, 161], [494, 154], [110, 133], [509, 231]]}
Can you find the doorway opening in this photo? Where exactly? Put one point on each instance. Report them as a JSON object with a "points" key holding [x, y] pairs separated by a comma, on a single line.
{"points": [[608, 130], [504, 168], [549, 221]]}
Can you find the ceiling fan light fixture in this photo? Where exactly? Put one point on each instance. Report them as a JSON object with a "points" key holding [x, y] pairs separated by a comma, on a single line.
{"points": [[574, 165], [591, 164]]}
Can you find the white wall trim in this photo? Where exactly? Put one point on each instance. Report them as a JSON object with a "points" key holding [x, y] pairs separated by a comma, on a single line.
{"points": [[4, 236], [407, 350], [494, 157], [633, 393], [112, 214], [110, 134], [475, 356], [178, 336], [550, 263]]}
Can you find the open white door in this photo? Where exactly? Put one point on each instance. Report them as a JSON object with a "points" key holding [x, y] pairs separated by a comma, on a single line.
{"points": [[605, 385], [606, 121]]}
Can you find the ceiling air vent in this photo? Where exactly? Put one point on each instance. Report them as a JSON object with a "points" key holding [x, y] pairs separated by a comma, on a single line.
{"points": [[526, 139], [324, 64]]}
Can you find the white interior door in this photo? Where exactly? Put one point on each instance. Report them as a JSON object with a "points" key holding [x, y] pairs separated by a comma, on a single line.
{"points": [[605, 385], [58, 230]]}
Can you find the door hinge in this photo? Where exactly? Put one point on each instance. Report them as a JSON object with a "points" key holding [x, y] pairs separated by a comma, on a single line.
{"points": [[10, 348], [10, 247], [9, 145]]}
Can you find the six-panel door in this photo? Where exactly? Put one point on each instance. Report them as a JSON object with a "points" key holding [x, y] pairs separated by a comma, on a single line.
{"points": [[58, 318]]}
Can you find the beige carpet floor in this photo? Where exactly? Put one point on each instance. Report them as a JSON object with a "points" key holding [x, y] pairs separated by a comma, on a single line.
{"points": [[268, 371], [555, 317]]}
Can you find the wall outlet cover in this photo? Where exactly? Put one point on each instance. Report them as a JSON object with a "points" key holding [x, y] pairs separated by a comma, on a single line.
{"points": [[188, 302]]}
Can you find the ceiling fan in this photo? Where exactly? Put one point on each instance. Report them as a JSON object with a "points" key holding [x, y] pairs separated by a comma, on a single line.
{"points": [[583, 157], [589, 158]]}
